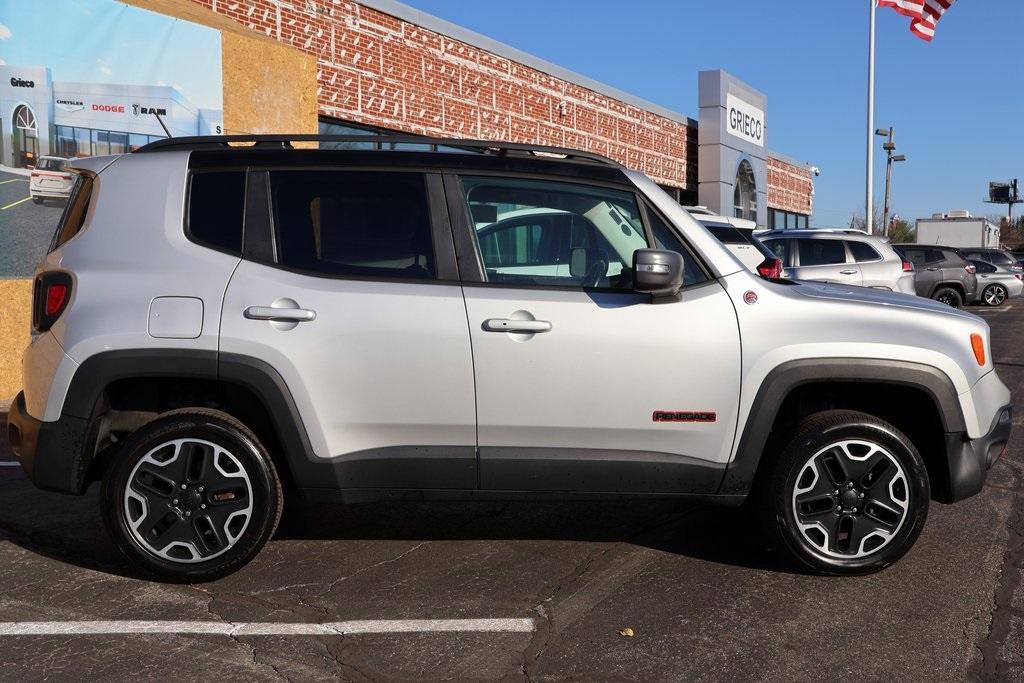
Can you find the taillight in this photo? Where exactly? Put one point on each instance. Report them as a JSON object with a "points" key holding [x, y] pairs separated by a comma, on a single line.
{"points": [[34, 174], [770, 268], [908, 267], [970, 269], [1019, 276], [51, 295]]}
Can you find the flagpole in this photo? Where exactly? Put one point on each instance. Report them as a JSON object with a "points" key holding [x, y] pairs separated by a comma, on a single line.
{"points": [[868, 201]]}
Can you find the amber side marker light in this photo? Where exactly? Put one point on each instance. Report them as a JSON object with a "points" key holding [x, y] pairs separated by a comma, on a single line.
{"points": [[978, 344]]}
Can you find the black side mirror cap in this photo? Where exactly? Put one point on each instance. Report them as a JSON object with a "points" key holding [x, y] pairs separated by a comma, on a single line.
{"points": [[657, 272]]}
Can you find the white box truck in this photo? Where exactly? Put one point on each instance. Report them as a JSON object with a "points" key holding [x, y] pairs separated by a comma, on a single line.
{"points": [[958, 229]]}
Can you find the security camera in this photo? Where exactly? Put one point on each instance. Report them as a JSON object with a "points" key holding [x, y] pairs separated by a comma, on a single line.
{"points": [[815, 170]]}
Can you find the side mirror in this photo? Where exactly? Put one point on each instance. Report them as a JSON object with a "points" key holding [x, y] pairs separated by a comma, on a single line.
{"points": [[657, 272]]}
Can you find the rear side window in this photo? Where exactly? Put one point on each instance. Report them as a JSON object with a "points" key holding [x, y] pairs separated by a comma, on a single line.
{"points": [[863, 252], [780, 249], [73, 218], [216, 206], [353, 223], [983, 267], [821, 252]]}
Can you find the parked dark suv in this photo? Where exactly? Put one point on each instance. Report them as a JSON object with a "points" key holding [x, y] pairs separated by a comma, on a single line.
{"points": [[942, 274], [997, 257]]}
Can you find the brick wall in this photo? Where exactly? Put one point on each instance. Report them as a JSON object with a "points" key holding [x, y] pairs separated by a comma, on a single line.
{"points": [[377, 69], [790, 187]]}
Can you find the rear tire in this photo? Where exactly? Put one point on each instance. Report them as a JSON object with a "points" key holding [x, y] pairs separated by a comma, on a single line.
{"points": [[949, 296], [994, 295], [37, 200], [191, 496], [848, 495]]}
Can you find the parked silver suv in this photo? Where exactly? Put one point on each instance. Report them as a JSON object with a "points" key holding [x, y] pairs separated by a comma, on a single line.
{"points": [[848, 257], [520, 321]]}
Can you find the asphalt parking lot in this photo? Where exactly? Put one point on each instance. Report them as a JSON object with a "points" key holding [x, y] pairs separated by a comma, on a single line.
{"points": [[544, 589], [25, 227]]}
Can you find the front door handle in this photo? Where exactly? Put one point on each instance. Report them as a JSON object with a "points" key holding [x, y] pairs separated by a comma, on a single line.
{"points": [[282, 315], [509, 325], [847, 272]]}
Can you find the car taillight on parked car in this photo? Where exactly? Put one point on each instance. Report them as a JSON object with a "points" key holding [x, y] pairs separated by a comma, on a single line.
{"points": [[970, 269], [1019, 276], [50, 297], [908, 267], [770, 268]]}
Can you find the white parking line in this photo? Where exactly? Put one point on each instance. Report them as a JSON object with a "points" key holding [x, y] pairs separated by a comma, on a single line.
{"points": [[271, 628]]}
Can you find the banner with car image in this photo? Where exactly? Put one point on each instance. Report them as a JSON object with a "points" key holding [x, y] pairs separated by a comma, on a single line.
{"points": [[82, 78]]}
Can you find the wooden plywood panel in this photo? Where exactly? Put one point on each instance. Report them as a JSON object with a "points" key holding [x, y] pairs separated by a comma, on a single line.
{"points": [[268, 88], [15, 317]]}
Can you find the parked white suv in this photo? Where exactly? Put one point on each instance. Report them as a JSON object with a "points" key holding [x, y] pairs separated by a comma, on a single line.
{"points": [[737, 234], [848, 257], [351, 324]]}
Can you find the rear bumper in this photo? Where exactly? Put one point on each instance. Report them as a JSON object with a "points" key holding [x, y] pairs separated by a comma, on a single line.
{"points": [[969, 460], [50, 453]]}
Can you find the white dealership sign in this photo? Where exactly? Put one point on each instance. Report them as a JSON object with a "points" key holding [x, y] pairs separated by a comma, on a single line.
{"points": [[744, 120]]}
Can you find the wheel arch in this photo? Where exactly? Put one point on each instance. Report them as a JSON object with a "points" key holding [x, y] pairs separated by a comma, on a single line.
{"points": [[136, 385], [797, 388]]}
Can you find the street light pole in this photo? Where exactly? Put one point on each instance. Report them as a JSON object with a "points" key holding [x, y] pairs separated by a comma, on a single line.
{"points": [[889, 147], [870, 171]]}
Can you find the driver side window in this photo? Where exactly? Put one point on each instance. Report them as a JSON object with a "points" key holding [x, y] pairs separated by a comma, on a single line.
{"points": [[549, 233]]}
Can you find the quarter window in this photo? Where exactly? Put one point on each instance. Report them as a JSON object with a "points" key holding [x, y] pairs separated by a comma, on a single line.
{"points": [[822, 252], [353, 223], [215, 209], [863, 252]]}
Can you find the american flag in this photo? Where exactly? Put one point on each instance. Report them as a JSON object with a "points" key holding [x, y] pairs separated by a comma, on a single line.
{"points": [[924, 14]]}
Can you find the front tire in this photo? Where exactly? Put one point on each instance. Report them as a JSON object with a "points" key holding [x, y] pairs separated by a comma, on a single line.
{"points": [[192, 496], [848, 495], [37, 200], [949, 296]]}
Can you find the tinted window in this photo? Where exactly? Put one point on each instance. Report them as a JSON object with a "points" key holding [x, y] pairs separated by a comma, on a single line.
{"points": [[73, 218], [821, 252], [536, 232], [724, 233], [915, 256], [780, 248], [358, 224], [983, 267], [863, 252], [999, 258], [215, 209]]}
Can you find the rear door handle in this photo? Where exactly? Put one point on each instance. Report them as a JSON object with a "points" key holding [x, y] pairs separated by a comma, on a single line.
{"points": [[508, 325], [932, 269], [847, 272], [286, 315]]}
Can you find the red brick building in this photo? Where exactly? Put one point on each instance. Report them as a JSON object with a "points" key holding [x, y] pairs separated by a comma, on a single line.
{"points": [[389, 66]]}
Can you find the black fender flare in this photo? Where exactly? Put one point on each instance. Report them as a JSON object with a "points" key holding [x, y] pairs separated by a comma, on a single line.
{"points": [[740, 474]]}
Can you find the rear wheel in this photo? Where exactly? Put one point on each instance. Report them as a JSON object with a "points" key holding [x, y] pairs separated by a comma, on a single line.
{"points": [[192, 496], [848, 495], [949, 296], [37, 200], [994, 295]]}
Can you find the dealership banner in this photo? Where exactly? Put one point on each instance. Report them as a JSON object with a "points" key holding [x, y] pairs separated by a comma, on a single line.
{"points": [[81, 78]]}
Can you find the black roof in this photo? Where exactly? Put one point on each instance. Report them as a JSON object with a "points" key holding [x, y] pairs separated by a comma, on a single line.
{"points": [[489, 147]]}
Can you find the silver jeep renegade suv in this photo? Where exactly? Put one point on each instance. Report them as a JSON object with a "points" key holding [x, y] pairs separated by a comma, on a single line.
{"points": [[216, 324]]}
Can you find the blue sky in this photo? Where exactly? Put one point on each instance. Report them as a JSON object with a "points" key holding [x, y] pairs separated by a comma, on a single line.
{"points": [[955, 103], [103, 41]]}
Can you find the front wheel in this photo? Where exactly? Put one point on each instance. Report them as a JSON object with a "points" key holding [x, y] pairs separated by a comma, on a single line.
{"points": [[192, 496], [994, 295], [37, 200], [848, 495]]}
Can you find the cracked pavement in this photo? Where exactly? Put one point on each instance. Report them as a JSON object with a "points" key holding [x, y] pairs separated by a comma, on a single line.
{"points": [[705, 600]]}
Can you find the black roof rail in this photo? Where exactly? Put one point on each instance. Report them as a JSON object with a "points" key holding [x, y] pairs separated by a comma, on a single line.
{"points": [[494, 147]]}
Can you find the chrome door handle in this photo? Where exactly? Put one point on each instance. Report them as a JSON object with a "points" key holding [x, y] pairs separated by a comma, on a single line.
{"points": [[508, 325], [285, 315], [932, 269], [847, 272]]}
